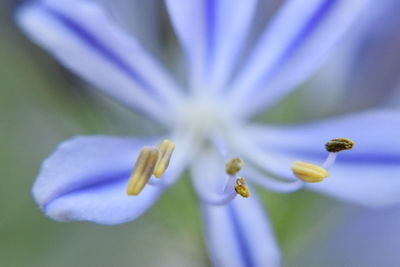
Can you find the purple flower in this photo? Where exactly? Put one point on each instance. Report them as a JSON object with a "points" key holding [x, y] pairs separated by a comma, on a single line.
{"points": [[209, 118]]}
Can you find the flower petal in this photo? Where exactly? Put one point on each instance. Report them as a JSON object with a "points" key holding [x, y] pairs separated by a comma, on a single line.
{"points": [[211, 33], [208, 175], [374, 234], [106, 203], [290, 49], [82, 36], [133, 15], [86, 178], [239, 234], [369, 174]]}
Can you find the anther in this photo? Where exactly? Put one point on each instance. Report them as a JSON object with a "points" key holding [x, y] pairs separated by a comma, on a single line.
{"points": [[143, 170], [233, 166], [165, 149], [339, 144], [308, 172], [241, 188]]}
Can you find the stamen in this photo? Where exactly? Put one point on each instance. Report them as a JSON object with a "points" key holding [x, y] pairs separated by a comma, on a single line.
{"points": [[312, 173], [329, 161], [308, 172], [333, 147], [142, 171], [230, 184], [272, 184], [241, 188], [165, 148], [233, 166], [339, 144], [221, 200]]}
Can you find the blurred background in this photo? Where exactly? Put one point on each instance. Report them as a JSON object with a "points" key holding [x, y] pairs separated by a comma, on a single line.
{"points": [[42, 104]]}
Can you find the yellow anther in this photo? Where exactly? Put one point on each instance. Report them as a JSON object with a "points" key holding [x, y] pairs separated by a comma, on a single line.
{"points": [[233, 166], [339, 144], [142, 171], [165, 149], [241, 188], [308, 172]]}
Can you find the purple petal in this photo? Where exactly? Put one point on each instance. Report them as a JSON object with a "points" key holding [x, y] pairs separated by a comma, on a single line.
{"points": [[364, 237], [369, 174], [295, 43], [208, 171], [239, 234], [211, 33], [86, 178], [82, 36], [105, 203], [133, 15]]}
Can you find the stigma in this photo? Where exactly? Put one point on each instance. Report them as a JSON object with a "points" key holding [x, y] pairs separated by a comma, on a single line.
{"points": [[151, 161]]}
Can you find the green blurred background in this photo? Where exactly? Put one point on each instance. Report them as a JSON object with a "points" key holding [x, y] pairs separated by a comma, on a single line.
{"points": [[41, 105]]}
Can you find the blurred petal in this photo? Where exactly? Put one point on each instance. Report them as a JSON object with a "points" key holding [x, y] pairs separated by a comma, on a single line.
{"points": [[211, 33], [105, 203], [82, 36], [369, 174], [239, 234], [291, 48], [364, 237], [86, 178], [208, 175], [132, 15]]}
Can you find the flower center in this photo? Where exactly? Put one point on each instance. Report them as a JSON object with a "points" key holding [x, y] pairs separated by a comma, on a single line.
{"points": [[203, 117]]}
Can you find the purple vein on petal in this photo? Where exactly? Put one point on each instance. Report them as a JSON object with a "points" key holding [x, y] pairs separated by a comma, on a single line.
{"points": [[112, 178], [240, 236], [100, 47], [353, 158], [310, 26], [210, 20], [308, 29], [346, 157]]}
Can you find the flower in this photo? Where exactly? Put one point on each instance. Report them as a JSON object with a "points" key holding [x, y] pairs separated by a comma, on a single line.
{"points": [[86, 178]]}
